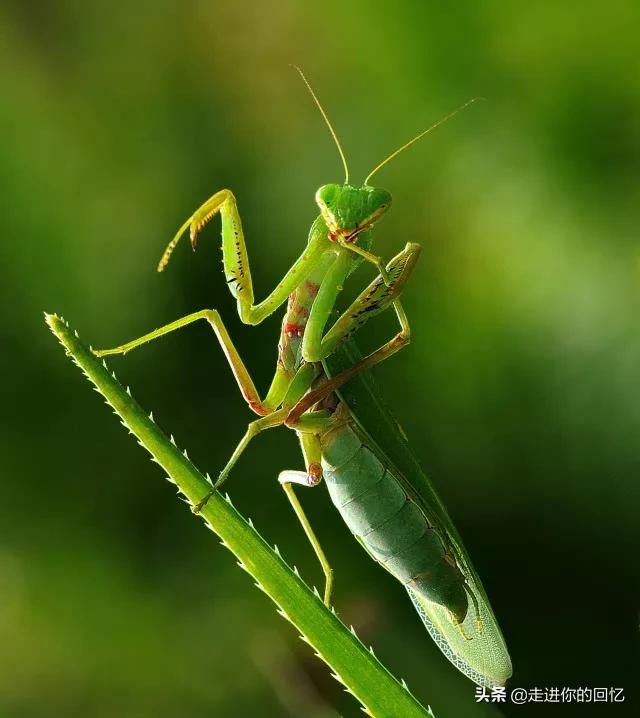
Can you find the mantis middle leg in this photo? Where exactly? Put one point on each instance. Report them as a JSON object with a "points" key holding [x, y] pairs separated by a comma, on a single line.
{"points": [[279, 384]]}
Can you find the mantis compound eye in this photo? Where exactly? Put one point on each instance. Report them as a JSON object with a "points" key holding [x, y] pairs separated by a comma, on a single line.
{"points": [[327, 195]]}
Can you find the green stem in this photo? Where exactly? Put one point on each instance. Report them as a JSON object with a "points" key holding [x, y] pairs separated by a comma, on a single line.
{"points": [[351, 662]]}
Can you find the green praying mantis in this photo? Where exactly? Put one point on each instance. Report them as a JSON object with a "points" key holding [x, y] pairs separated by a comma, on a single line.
{"points": [[322, 391]]}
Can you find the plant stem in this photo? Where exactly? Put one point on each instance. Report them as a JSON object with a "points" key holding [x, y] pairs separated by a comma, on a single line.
{"points": [[351, 662]]}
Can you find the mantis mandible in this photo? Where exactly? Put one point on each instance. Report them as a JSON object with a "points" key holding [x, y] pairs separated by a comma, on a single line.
{"points": [[401, 524]]}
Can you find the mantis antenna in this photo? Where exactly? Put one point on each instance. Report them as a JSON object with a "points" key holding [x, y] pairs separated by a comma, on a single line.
{"points": [[418, 136], [326, 119]]}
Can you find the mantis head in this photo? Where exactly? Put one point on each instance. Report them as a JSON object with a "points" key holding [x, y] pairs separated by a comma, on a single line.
{"points": [[348, 210]]}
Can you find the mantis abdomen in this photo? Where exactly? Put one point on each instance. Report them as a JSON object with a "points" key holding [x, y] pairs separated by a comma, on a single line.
{"points": [[388, 522]]}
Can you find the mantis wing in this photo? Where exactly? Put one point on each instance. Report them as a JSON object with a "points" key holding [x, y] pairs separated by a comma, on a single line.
{"points": [[478, 650]]}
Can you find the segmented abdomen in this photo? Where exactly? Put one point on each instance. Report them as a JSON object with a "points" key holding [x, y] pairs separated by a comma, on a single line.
{"points": [[392, 527]]}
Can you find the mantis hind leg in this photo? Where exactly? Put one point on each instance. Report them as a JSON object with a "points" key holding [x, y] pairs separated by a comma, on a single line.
{"points": [[276, 418], [295, 388], [311, 477]]}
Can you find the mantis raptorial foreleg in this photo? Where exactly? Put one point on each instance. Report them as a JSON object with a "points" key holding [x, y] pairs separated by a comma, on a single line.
{"points": [[400, 340], [236, 260], [238, 275], [374, 299], [368, 257]]}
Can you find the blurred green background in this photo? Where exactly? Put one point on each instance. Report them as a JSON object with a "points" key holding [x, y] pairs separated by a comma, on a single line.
{"points": [[519, 392]]}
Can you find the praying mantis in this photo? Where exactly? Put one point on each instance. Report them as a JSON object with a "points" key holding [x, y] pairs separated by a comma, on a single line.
{"points": [[320, 388]]}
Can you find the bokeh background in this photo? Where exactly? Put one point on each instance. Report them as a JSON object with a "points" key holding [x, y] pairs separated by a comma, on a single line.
{"points": [[520, 391]]}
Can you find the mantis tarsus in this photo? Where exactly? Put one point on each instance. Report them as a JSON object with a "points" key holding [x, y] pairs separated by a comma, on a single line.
{"points": [[402, 525]]}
